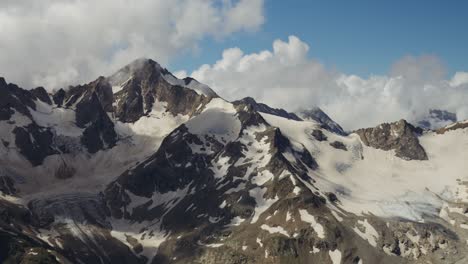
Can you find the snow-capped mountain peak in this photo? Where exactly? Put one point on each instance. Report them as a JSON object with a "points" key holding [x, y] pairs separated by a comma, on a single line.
{"points": [[315, 113], [437, 119], [149, 70]]}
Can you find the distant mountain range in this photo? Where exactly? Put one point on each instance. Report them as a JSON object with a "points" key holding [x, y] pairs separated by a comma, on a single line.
{"points": [[143, 167]]}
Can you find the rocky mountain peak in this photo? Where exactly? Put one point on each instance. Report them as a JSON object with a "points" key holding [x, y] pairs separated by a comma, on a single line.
{"points": [[188, 80], [260, 107], [103, 90], [248, 100], [139, 69], [316, 114], [42, 94], [143, 85], [400, 136], [13, 98], [2, 82], [436, 119]]}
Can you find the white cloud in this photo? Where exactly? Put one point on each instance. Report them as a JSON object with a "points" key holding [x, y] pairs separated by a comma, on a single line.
{"points": [[58, 42], [460, 78], [244, 15], [180, 74], [286, 77]]}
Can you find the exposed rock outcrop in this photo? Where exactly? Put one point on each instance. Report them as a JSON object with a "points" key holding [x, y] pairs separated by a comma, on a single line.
{"points": [[34, 142], [338, 145], [13, 98], [400, 136], [323, 119], [266, 109], [141, 85], [458, 125], [7, 185], [41, 94], [91, 103], [319, 135]]}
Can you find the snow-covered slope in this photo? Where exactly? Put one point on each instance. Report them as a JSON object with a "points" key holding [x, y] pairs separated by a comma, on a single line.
{"points": [[372, 181], [316, 114], [141, 167]]}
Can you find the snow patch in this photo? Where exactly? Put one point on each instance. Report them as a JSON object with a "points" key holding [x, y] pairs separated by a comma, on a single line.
{"points": [[335, 214], [236, 221], [335, 256], [318, 228], [369, 234], [149, 235], [262, 204], [217, 120], [273, 230]]}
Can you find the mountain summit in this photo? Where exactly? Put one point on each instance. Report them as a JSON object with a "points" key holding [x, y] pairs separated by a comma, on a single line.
{"points": [[316, 114], [143, 167]]}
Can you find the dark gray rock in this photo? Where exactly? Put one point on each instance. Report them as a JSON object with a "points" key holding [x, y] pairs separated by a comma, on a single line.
{"points": [[400, 136], [103, 91], [34, 142], [338, 145], [59, 97], [13, 98], [99, 130], [318, 135], [143, 85], [86, 236], [266, 109], [92, 102], [41, 94], [130, 105], [7, 185]]}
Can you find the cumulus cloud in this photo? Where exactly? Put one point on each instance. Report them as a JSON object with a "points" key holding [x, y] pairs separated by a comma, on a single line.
{"points": [[459, 78], [59, 42], [286, 77]]}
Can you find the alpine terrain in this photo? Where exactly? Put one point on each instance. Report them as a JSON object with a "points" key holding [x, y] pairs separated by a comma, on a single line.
{"points": [[143, 167]]}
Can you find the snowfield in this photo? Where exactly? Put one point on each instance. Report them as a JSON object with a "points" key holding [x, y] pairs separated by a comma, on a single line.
{"points": [[217, 120], [93, 172], [380, 183]]}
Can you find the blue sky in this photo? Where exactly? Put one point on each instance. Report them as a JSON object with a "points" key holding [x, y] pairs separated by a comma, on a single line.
{"points": [[356, 37]]}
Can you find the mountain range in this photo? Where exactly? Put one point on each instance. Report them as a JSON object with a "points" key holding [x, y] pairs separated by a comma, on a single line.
{"points": [[143, 167]]}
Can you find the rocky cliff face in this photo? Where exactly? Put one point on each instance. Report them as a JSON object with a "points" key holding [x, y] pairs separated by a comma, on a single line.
{"points": [[399, 136], [259, 107], [91, 103], [142, 85], [32, 140], [141, 167]]}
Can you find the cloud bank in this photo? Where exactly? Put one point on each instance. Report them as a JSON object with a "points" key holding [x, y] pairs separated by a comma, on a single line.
{"points": [[54, 43], [58, 42], [286, 77]]}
